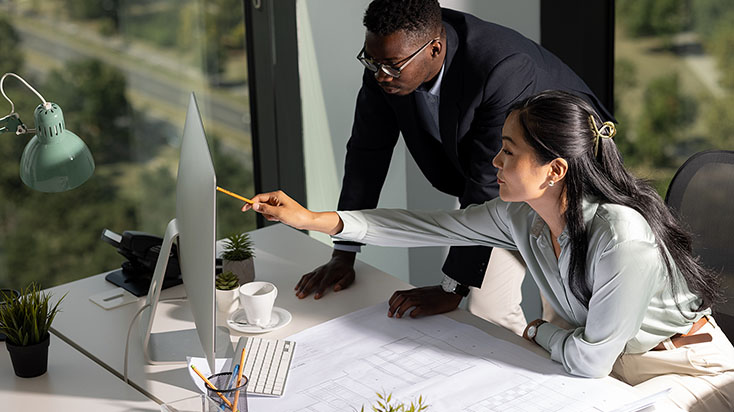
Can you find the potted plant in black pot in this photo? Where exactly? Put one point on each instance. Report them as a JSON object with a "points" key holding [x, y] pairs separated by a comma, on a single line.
{"points": [[26, 321], [7, 296], [238, 256]]}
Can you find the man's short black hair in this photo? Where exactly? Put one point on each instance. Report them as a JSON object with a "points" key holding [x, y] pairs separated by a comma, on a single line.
{"points": [[418, 18]]}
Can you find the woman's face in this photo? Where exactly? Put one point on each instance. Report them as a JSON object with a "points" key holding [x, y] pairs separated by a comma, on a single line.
{"points": [[520, 176]]}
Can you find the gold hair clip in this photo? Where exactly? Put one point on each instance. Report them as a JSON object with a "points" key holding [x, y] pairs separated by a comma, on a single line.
{"points": [[606, 131]]}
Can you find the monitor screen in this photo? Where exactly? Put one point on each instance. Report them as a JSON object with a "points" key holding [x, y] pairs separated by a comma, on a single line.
{"points": [[194, 227]]}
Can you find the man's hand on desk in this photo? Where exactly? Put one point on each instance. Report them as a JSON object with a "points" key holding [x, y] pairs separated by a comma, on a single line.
{"points": [[429, 300], [339, 272]]}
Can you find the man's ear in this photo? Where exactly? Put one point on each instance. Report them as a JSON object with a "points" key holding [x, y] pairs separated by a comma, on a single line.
{"points": [[558, 168], [436, 48]]}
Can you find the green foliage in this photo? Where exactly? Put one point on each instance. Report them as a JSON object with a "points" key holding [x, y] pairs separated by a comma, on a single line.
{"points": [[238, 246], [714, 22], [385, 403], [234, 174], [154, 25], [223, 21], [653, 17], [106, 12], [707, 15], [52, 238], [26, 320], [223, 30], [623, 141], [226, 17], [156, 203], [11, 146], [11, 59], [721, 45], [625, 77], [719, 119], [625, 80], [92, 95], [666, 112], [227, 281], [215, 28]]}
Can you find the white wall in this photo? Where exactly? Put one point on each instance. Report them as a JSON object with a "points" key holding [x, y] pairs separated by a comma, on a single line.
{"points": [[330, 34]]}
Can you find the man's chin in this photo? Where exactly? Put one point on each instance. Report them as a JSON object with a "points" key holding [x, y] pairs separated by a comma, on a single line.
{"points": [[391, 90], [396, 91]]}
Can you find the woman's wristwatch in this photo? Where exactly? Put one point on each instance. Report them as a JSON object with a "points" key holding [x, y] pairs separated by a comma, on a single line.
{"points": [[532, 329]]}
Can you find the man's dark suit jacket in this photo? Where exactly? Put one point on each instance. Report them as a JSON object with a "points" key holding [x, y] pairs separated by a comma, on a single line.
{"points": [[487, 68]]}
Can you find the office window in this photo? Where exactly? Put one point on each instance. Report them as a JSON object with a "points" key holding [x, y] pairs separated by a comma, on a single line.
{"points": [[122, 72], [674, 82]]}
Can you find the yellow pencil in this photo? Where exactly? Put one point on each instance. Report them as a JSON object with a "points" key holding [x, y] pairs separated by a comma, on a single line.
{"points": [[234, 195], [239, 378], [214, 388]]}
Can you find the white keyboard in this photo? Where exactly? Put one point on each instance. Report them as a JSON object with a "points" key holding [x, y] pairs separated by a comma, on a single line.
{"points": [[267, 362]]}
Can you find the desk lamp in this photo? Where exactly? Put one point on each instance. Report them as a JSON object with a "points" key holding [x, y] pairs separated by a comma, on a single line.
{"points": [[55, 159]]}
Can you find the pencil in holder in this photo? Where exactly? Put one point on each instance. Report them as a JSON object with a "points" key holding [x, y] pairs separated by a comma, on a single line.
{"points": [[236, 396]]}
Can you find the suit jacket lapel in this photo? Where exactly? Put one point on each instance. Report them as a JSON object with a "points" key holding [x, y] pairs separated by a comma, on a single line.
{"points": [[450, 93]]}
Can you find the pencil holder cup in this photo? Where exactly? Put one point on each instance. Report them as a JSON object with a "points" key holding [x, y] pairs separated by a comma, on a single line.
{"points": [[236, 396]]}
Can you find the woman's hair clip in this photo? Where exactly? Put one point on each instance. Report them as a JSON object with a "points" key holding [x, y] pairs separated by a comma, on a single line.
{"points": [[606, 131]]}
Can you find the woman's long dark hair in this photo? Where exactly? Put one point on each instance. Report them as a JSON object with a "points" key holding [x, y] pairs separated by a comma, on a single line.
{"points": [[557, 124]]}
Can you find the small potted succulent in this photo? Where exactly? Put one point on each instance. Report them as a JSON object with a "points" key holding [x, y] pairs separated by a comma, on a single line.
{"points": [[238, 257], [26, 321], [227, 286]]}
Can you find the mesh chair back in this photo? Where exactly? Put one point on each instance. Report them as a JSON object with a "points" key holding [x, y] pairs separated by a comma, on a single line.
{"points": [[702, 195]]}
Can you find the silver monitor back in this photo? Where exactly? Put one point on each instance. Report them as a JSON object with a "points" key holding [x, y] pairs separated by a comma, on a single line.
{"points": [[195, 229]]}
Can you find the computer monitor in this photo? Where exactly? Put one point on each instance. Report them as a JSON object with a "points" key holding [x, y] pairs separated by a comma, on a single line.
{"points": [[194, 229]]}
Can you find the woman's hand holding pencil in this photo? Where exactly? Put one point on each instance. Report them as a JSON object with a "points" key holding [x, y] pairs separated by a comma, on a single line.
{"points": [[279, 207]]}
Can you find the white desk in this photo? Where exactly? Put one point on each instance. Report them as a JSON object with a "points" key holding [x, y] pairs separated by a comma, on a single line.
{"points": [[73, 383], [282, 256]]}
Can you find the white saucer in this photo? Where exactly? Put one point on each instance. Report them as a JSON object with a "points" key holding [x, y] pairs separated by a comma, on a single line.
{"points": [[279, 318]]}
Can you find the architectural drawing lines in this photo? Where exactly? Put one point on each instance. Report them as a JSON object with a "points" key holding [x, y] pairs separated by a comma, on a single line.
{"points": [[528, 397]]}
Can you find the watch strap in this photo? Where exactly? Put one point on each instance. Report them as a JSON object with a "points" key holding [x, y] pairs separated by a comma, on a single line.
{"points": [[531, 330], [461, 290], [449, 285]]}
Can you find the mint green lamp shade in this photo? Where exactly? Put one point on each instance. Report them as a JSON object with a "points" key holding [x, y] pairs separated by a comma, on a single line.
{"points": [[55, 159]]}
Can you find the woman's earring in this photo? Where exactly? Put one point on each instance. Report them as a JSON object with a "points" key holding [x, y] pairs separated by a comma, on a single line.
{"points": [[551, 183]]}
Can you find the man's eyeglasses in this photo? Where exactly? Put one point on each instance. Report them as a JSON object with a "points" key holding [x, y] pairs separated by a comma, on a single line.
{"points": [[389, 69]]}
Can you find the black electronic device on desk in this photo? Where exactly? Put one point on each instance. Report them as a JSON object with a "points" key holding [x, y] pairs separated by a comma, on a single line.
{"points": [[141, 251]]}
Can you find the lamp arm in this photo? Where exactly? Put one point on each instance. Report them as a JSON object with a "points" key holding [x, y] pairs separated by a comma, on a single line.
{"points": [[12, 124], [46, 105]]}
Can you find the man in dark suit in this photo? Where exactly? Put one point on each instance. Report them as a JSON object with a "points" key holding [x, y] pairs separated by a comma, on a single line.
{"points": [[444, 79]]}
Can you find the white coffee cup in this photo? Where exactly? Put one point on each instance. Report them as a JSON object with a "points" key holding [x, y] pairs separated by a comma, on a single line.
{"points": [[257, 299]]}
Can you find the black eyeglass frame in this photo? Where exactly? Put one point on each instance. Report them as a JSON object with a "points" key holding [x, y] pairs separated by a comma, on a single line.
{"points": [[388, 69]]}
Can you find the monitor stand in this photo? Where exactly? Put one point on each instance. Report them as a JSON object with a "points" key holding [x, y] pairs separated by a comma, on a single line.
{"points": [[175, 346]]}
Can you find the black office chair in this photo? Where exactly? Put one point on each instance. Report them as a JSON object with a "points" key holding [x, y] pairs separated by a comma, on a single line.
{"points": [[701, 194]]}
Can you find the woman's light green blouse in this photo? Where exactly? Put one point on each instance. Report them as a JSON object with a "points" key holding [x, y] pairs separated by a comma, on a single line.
{"points": [[632, 307]]}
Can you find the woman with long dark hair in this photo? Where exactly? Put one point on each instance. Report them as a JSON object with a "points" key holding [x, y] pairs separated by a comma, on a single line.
{"points": [[602, 246]]}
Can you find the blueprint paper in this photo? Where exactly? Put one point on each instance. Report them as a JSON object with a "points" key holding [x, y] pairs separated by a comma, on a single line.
{"points": [[340, 365]]}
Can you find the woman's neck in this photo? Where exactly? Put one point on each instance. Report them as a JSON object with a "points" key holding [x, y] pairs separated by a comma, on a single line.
{"points": [[551, 209]]}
